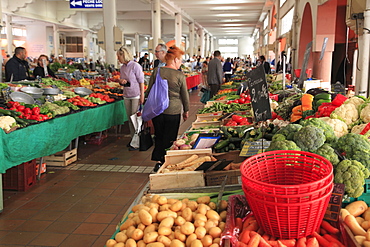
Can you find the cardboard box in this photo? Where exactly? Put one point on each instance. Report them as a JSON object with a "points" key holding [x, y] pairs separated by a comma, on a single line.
{"points": [[217, 177], [62, 158], [178, 179]]}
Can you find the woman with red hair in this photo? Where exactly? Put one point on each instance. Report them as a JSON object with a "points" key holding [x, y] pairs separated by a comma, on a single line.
{"points": [[166, 125]]}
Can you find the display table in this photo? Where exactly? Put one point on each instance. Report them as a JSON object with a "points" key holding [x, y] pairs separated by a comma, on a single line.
{"points": [[54, 135], [193, 81]]}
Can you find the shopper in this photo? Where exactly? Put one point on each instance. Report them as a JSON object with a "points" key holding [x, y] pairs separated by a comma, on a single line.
{"points": [[40, 69], [265, 64], [228, 69], [144, 62], [160, 52], [215, 73], [132, 79], [166, 125], [17, 68], [204, 73]]}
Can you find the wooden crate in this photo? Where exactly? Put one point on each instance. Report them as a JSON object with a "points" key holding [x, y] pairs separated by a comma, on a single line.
{"points": [[210, 103], [217, 177], [183, 179], [62, 158], [197, 125], [212, 114], [206, 119]]}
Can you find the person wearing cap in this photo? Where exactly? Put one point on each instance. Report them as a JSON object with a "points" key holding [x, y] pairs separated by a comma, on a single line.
{"points": [[144, 62]]}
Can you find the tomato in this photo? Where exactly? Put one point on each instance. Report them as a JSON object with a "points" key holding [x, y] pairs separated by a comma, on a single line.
{"points": [[241, 100], [242, 95]]}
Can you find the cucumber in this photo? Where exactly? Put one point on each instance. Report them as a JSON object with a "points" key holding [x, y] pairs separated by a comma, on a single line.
{"points": [[9, 113], [235, 139], [232, 146], [226, 132], [221, 144]]}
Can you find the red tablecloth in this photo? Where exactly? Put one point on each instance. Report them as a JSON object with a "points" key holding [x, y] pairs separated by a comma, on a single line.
{"points": [[193, 81]]}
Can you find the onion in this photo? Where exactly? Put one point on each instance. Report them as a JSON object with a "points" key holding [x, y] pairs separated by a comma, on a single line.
{"points": [[179, 142], [185, 147], [174, 147]]}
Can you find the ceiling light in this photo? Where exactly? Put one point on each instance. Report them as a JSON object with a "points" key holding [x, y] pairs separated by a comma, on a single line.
{"points": [[233, 25], [225, 8], [227, 15]]}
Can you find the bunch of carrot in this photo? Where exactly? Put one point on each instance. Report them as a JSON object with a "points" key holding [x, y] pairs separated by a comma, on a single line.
{"points": [[251, 235]]}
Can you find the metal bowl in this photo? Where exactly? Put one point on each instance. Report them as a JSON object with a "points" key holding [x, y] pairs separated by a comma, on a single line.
{"points": [[35, 92], [22, 97], [83, 91], [51, 91]]}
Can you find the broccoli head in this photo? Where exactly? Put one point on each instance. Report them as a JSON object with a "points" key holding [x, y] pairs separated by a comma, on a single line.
{"points": [[278, 137], [328, 152], [328, 130], [351, 142], [289, 130], [352, 174], [309, 138], [283, 145], [363, 157]]}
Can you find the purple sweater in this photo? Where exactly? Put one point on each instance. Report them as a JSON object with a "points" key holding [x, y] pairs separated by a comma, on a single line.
{"points": [[133, 73]]}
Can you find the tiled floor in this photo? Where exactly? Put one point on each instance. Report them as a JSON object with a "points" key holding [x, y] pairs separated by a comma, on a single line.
{"points": [[81, 205]]}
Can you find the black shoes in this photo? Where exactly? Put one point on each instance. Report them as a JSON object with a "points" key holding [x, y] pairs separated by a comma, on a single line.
{"points": [[132, 149], [157, 166]]}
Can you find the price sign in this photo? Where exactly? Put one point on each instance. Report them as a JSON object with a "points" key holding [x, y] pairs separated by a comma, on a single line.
{"points": [[303, 75], [335, 203], [258, 90]]}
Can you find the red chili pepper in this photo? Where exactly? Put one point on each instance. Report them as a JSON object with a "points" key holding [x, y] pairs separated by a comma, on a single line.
{"points": [[365, 130]]}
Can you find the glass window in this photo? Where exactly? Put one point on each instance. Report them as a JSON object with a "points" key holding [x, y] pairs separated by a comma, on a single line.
{"points": [[74, 44], [286, 22], [265, 23], [282, 2]]}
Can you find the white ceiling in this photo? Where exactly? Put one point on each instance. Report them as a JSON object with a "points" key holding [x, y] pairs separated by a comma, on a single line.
{"points": [[221, 18]]}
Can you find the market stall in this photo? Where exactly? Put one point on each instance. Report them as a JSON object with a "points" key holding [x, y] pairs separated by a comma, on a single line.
{"points": [[193, 81]]}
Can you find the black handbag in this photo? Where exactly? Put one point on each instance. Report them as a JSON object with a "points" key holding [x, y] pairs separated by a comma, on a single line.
{"points": [[146, 140]]}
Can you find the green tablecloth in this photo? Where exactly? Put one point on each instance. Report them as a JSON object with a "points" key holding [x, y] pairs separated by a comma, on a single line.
{"points": [[54, 135]]}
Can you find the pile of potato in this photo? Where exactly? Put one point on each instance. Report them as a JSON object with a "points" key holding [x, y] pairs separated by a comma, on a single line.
{"points": [[162, 222]]}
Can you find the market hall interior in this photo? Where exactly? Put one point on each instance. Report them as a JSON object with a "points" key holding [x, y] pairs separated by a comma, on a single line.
{"points": [[81, 204]]}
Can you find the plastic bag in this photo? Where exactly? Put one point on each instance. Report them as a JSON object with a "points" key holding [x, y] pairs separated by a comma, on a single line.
{"points": [[137, 121], [206, 96], [158, 100]]}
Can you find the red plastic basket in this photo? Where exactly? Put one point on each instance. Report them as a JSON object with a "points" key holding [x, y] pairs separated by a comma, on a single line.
{"points": [[288, 191]]}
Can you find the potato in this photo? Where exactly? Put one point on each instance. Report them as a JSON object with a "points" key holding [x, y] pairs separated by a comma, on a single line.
{"points": [[185, 200], [215, 232], [129, 231], [163, 230], [360, 220], [137, 234], [110, 243], [126, 224], [202, 208], [176, 206], [198, 223], [121, 237], [223, 205], [164, 240], [207, 240], [155, 244], [187, 228], [150, 228], [192, 205], [164, 214], [153, 212], [177, 243], [137, 207], [179, 220], [204, 199], [131, 215], [153, 205], [167, 222], [171, 236], [130, 243], [161, 200], [213, 215], [196, 243], [366, 225], [223, 215], [145, 217], [172, 201], [214, 245], [137, 220], [187, 214], [200, 232], [180, 236], [366, 214], [212, 205], [119, 245], [141, 243], [190, 239], [357, 208], [150, 237], [366, 243], [155, 198], [200, 217], [209, 224], [222, 225], [141, 226], [164, 207], [216, 240]]}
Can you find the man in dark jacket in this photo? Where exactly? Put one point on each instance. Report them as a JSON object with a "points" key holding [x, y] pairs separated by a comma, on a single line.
{"points": [[17, 67], [215, 73], [265, 64]]}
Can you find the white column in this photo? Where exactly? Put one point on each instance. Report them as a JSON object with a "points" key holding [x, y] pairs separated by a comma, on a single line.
{"points": [[191, 39], [207, 45], [86, 44], [9, 34], [201, 43], [56, 40], [137, 45], [156, 20], [178, 29], [109, 20], [364, 55]]}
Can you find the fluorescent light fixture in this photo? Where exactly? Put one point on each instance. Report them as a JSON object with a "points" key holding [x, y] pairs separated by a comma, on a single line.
{"points": [[225, 8], [227, 15], [233, 25]]}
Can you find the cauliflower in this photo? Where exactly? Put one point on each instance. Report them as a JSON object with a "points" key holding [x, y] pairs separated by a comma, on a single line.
{"points": [[289, 130], [273, 105], [357, 129], [328, 152], [328, 130], [357, 101], [351, 143], [340, 128], [347, 113], [365, 114], [7, 122], [283, 145], [363, 157], [309, 138], [353, 174]]}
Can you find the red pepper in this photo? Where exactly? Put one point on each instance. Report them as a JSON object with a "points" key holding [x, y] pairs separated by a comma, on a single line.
{"points": [[27, 111], [36, 110], [339, 100], [245, 122], [231, 123], [21, 108], [237, 118], [365, 130]]}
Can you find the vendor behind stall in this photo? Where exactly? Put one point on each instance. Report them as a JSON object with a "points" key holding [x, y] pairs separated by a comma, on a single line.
{"points": [[17, 68]]}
